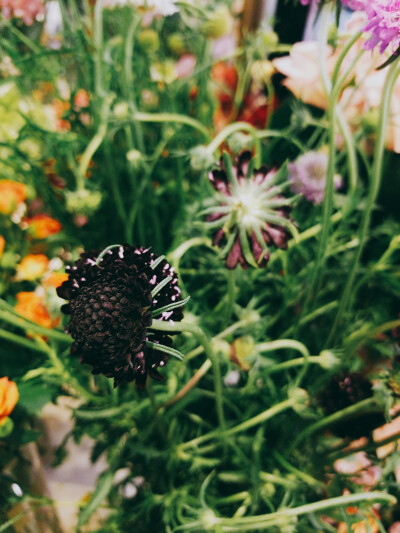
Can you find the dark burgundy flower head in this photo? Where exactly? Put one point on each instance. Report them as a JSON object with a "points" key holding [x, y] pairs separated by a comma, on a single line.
{"points": [[113, 296], [343, 390], [248, 213]]}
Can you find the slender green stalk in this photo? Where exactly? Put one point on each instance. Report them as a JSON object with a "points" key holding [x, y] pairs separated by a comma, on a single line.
{"points": [[283, 344], [251, 422], [98, 53], [369, 404], [172, 117], [21, 341], [26, 325], [376, 175], [229, 130], [263, 522], [160, 325]]}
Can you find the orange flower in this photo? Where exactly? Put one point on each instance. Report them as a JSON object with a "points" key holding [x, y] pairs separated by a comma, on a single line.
{"points": [[361, 526], [60, 107], [8, 398], [81, 99], [54, 279], [12, 193], [42, 226], [31, 306], [31, 267], [2, 244]]}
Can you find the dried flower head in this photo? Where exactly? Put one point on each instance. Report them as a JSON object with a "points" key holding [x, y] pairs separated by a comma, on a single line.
{"points": [[113, 296], [346, 389], [248, 213]]}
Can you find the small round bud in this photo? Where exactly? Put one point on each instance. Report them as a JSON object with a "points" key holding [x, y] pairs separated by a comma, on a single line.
{"points": [[201, 158], [121, 110], [134, 157], [149, 41], [328, 360], [218, 24], [270, 39], [176, 43]]}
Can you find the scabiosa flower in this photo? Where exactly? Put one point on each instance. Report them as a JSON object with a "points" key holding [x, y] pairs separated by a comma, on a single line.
{"points": [[343, 390], [308, 175], [383, 24], [248, 212], [112, 298]]}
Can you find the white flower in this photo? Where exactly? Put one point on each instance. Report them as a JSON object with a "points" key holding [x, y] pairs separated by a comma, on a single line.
{"points": [[158, 7]]}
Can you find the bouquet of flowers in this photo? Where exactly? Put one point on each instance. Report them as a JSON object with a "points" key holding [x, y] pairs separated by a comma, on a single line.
{"points": [[199, 268]]}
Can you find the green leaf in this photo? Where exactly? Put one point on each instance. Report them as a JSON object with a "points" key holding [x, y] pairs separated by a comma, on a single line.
{"points": [[33, 395], [104, 485]]}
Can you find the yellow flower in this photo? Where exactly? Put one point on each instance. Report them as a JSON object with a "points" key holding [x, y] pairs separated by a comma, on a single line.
{"points": [[2, 245], [12, 193], [31, 267], [8, 398]]}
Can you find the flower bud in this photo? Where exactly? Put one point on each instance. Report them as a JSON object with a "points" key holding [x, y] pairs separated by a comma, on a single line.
{"points": [[149, 41], [121, 110], [176, 43], [134, 157], [262, 71], [83, 201], [219, 23], [201, 158], [328, 360]]}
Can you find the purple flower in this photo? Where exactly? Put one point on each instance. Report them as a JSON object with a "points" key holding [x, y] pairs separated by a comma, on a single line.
{"points": [[308, 176], [383, 24], [383, 21], [248, 213]]}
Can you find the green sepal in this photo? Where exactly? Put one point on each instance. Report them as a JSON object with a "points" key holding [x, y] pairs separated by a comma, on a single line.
{"points": [[166, 349], [169, 307], [160, 286], [155, 263]]}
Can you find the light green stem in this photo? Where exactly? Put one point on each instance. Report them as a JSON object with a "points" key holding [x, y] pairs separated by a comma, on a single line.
{"points": [[365, 405], [251, 422], [160, 325], [172, 117], [23, 323], [227, 131], [373, 190]]}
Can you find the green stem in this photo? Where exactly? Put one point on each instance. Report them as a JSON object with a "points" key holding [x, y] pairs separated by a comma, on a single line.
{"points": [[98, 53], [373, 190], [285, 365], [365, 405], [251, 422], [227, 131], [23, 323], [95, 142], [22, 341], [160, 325], [172, 117], [282, 344]]}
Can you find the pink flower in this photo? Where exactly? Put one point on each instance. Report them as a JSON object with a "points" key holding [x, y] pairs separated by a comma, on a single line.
{"points": [[384, 24], [303, 73], [27, 10], [185, 65]]}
